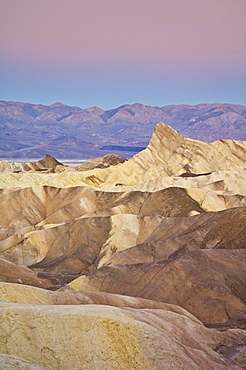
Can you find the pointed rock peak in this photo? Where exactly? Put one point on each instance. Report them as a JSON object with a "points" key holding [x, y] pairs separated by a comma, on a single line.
{"points": [[166, 137], [161, 127], [47, 162]]}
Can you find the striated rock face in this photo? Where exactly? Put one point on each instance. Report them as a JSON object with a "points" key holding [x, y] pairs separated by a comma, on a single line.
{"points": [[171, 154], [133, 258], [206, 283]]}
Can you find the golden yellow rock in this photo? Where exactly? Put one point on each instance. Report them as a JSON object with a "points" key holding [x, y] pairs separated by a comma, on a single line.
{"points": [[102, 337]]}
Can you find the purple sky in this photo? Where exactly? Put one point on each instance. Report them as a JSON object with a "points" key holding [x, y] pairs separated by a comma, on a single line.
{"points": [[112, 52]]}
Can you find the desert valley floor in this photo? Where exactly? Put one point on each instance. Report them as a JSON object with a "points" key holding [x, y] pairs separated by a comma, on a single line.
{"points": [[126, 264]]}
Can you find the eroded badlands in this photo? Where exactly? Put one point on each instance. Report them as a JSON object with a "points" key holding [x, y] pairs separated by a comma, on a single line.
{"points": [[117, 264]]}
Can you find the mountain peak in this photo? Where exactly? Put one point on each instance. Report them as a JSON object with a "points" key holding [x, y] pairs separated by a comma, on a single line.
{"points": [[126, 126], [57, 105]]}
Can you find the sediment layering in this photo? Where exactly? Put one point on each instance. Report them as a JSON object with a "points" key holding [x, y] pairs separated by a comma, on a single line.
{"points": [[137, 265]]}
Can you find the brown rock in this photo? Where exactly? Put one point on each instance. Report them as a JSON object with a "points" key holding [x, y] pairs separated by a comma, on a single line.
{"points": [[12, 273], [101, 162], [207, 283]]}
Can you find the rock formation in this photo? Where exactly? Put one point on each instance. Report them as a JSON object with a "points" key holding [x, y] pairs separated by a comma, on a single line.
{"points": [[136, 264], [101, 162], [45, 164]]}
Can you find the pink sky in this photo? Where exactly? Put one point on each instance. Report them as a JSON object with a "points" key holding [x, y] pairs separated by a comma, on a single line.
{"points": [[142, 37]]}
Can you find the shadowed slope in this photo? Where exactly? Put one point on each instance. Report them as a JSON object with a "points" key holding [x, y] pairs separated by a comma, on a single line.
{"points": [[208, 283]]}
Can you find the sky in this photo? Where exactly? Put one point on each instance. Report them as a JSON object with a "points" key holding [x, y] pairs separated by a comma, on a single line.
{"points": [[107, 53]]}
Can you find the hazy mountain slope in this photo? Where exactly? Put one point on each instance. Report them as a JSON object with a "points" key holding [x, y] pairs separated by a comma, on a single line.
{"points": [[29, 130]]}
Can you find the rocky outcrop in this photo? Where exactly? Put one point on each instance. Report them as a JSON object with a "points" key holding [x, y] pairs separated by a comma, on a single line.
{"points": [[171, 154], [101, 162], [45, 164], [51, 165]]}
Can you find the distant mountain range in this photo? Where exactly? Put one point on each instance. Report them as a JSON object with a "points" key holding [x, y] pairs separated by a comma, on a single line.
{"points": [[32, 131]]}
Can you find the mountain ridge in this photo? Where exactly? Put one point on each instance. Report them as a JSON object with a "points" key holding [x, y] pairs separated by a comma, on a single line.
{"points": [[32, 130]]}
